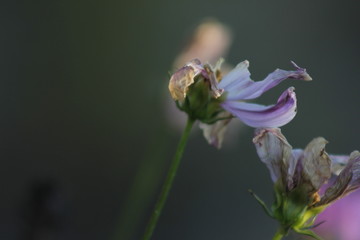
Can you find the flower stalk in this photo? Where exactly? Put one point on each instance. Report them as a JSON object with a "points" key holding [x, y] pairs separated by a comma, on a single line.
{"points": [[279, 234], [168, 181]]}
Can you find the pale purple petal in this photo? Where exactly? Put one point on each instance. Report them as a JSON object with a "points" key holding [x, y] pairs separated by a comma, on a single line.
{"points": [[256, 115], [354, 167], [239, 86], [236, 78]]}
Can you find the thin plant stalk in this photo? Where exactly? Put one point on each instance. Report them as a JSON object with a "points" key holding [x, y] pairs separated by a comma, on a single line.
{"points": [[279, 234], [168, 181]]}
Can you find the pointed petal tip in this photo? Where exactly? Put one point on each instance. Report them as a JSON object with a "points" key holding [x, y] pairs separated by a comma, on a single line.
{"points": [[304, 75], [295, 65], [243, 64], [291, 89]]}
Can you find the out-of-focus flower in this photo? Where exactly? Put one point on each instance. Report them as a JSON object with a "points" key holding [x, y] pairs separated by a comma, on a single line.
{"points": [[209, 41], [341, 219], [298, 176], [202, 92]]}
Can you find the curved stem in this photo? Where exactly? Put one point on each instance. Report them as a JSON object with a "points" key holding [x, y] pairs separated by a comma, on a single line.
{"points": [[168, 181], [279, 234]]}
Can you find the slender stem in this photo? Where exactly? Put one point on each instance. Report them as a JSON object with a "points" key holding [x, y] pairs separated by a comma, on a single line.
{"points": [[168, 181], [279, 234]]}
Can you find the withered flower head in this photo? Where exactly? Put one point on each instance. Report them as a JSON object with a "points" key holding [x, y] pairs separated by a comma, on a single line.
{"points": [[298, 176], [202, 92]]}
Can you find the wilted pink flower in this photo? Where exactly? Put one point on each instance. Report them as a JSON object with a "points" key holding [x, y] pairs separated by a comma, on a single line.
{"points": [[227, 96], [298, 176]]}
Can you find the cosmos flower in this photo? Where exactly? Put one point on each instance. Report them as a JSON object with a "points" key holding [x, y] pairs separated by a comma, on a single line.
{"points": [[202, 92], [298, 176]]}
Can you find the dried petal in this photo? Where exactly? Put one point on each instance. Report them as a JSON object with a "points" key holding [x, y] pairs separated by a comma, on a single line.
{"points": [[213, 81], [316, 164], [354, 168], [214, 133], [273, 150], [346, 182], [183, 78], [293, 176]]}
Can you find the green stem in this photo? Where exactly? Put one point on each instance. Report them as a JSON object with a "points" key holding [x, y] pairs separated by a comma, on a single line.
{"points": [[279, 234], [168, 181]]}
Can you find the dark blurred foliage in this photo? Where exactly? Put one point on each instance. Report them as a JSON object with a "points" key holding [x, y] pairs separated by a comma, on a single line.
{"points": [[82, 91]]}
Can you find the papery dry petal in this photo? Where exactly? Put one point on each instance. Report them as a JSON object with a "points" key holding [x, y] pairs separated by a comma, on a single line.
{"points": [[273, 150], [213, 81], [347, 181], [316, 164], [354, 168], [214, 133], [181, 80]]}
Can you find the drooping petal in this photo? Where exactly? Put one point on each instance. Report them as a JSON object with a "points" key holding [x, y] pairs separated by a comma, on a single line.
{"points": [[346, 182], [316, 164], [214, 133], [256, 115], [273, 150], [239, 86], [181, 80]]}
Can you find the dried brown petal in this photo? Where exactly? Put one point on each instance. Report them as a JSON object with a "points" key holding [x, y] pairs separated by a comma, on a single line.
{"points": [[346, 182], [316, 165], [273, 150], [214, 133], [183, 78]]}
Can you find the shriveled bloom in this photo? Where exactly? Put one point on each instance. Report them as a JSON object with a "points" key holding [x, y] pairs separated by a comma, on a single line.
{"points": [[205, 95], [298, 176]]}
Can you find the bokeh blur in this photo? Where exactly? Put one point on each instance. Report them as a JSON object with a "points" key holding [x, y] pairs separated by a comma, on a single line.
{"points": [[85, 139]]}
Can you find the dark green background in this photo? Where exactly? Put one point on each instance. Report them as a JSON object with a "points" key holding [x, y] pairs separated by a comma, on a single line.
{"points": [[82, 85]]}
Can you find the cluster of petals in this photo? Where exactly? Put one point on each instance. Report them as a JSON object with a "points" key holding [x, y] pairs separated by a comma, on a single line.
{"points": [[235, 89], [309, 168]]}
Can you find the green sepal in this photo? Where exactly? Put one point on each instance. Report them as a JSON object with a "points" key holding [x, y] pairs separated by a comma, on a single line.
{"points": [[262, 204], [308, 233]]}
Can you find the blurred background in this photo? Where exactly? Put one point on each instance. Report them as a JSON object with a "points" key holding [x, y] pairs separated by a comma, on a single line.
{"points": [[88, 130]]}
